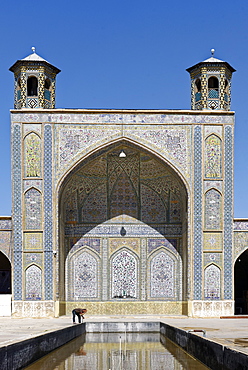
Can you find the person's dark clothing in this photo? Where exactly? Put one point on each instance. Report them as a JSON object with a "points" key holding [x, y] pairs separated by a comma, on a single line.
{"points": [[79, 312]]}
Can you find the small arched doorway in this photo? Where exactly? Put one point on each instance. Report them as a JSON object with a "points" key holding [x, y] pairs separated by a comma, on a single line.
{"points": [[241, 284], [5, 275], [5, 285]]}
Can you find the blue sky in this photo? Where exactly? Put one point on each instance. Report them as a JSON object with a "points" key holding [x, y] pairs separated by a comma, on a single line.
{"points": [[126, 54]]}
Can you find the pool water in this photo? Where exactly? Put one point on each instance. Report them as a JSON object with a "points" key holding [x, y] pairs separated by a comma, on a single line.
{"points": [[118, 351]]}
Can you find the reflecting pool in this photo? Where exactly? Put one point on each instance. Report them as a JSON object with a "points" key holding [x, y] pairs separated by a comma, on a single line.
{"points": [[118, 351]]}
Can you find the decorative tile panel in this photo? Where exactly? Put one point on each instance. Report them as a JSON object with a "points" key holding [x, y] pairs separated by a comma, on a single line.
{"points": [[33, 241], [213, 209], [85, 276], [33, 283], [197, 213], [212, 282], [17, 211], [32, 151], [228, 214], [162, 276], [32, 199], [48, 212], [124, 275], [213, 157], [213, 241], [130, 243]]}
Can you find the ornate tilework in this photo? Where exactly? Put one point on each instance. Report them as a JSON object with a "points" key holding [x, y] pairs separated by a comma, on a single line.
{"points": [[118, 118], [27, 184], [5, 224], [33, 209], [17, 211], [32, 155], [213, 184], [130, 243], [124, 275], [212, 282], [33, 283], [5, 246], [213, 257], [213, 210], [48, 212], [240, 225], [213, 130], [156, 243], [213, 157], [31, 258], [240, 243], [85, 278], [162, 276], [228, 213], [213, 241], [197, 213], [33, 241]]}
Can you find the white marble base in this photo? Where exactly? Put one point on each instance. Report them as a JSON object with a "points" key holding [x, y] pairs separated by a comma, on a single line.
{"points": [[5, 305], [35, 309], [212, 308]]}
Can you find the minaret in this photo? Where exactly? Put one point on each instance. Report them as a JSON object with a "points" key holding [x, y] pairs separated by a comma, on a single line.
{"points": [[211, 84], [34, 82]]}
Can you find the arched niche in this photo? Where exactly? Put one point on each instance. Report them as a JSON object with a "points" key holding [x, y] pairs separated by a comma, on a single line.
{"points": [[82, 275], [5, 274], [33, 283], [212, 282], [241, 284], [32, 155], [164, 275], [124, 266], [213, 157], [121, 187]]}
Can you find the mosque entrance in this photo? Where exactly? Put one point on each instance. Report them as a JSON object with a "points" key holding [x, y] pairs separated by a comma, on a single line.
{"points": [[123, 229], [241, 284]]}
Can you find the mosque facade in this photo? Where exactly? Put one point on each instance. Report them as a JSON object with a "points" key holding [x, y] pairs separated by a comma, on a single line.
{"points": [[122, 211]]}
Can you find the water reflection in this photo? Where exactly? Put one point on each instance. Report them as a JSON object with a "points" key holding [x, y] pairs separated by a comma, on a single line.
{"points": [[118, 351]]}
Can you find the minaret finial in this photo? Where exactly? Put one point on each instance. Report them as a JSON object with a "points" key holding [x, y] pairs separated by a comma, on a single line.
{"points": [[33, 49], [212, 52]]}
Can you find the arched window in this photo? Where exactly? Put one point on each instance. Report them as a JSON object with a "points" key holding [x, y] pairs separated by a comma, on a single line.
{"points": [[47, 92], [212, 282], [213, 88], [197, 90], [18, 89], [32, 86], [226, 93]]}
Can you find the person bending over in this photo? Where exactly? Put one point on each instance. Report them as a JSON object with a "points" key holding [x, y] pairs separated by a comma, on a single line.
{"points": [[79, 312]]}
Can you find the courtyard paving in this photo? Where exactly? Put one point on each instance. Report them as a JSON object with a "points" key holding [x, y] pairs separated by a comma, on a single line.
{"points": [[232, 333]]}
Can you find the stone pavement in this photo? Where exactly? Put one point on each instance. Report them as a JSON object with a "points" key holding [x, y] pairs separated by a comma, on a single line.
{"points": [[232, 333]]}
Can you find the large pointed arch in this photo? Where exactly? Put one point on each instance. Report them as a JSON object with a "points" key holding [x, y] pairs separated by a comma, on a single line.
{"points": [[110, 195]]}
